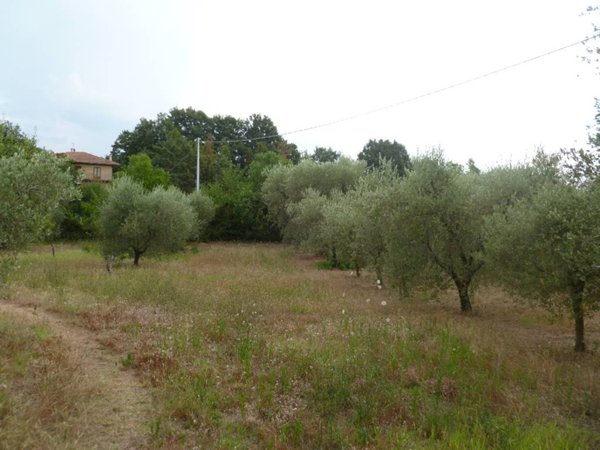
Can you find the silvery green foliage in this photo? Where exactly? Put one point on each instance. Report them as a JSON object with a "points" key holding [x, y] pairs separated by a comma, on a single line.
{"points": [[304, 227], [204, 209], [419, 242], [32, 188], [355, 223], [135, 222], [339, 229], [285, 185], [437, 224], [547, 248], [372, 198]]}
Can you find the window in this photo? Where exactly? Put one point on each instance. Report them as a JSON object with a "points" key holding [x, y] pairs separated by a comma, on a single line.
{"points": [[97, 172]]}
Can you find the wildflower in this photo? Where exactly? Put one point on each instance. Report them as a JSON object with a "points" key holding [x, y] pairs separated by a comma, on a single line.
{"points": [[343, 311], [383, 303], [387, 319], [368, 300]]}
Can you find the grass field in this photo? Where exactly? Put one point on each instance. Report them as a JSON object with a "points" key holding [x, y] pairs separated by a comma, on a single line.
{"points": [[251, 346]]}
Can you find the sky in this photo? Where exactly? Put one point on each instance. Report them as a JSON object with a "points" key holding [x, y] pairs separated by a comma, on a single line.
{"points": [[79, 72]]}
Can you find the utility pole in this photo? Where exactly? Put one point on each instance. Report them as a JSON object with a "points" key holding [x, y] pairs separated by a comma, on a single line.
{"points": [[197, 164]]}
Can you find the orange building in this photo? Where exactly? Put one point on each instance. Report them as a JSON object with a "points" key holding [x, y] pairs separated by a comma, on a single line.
{"points": [[94, 168]]}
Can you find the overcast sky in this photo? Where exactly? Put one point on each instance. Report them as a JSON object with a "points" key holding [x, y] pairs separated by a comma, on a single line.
{"points": [[80, 72]]}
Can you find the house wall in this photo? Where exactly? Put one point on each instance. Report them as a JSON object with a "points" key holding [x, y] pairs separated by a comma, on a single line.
{"points": [[88, 171]]}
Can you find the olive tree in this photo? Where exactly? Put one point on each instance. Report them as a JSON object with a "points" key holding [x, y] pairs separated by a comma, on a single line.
{"points": [[437, 224], [339, 228], [32, 188], [372, 198], [285, 185], [357, 222], [136, 222], [548, 249], [13, 141], [141, 169], [306, 218]]}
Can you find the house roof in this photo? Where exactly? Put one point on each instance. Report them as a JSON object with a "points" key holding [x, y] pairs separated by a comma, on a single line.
{"points": [[87, 158]]}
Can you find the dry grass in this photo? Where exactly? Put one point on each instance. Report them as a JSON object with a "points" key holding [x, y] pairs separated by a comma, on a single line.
{"points": [[72, 395], [41, 397], [250, 346]]}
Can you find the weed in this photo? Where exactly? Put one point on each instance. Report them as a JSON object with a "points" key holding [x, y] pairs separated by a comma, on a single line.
{"points": [[127, 362]]}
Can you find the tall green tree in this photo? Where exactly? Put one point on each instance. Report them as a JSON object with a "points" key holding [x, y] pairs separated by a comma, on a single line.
{"points": [[323, 155], [240, 212], [79, 217], [237, 207], [141, 170], [170, 142], [376, 151], [146, 134], [191, 123], [177, 156]]}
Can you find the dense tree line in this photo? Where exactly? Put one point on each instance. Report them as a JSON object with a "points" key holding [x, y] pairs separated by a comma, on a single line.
{"points": [[233, 154], [170, 142]]}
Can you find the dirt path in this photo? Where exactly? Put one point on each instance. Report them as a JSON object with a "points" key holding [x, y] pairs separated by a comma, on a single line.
{"points": [[118, 415]]}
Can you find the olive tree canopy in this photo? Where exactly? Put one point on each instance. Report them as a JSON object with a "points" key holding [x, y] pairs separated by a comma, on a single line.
{"points": [[136, 222], [32, 188], [548, 249]]}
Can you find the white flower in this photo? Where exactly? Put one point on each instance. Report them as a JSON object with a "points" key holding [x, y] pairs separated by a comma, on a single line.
{"points": [[383, 303], [343, 311], [388, 320], [368, 300]]}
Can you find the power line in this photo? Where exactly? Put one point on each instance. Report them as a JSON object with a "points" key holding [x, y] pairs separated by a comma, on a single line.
{"points": [[415, 98]]}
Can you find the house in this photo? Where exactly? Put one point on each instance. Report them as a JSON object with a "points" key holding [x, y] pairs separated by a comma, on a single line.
{"points": [[94, 168]]}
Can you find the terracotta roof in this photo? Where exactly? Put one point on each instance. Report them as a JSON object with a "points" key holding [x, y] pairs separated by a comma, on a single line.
{"points": [[86, 158]]}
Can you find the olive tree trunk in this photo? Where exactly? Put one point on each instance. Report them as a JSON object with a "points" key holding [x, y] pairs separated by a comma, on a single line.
{"points": [[463, 294], [137, 254], [577, 304]]}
